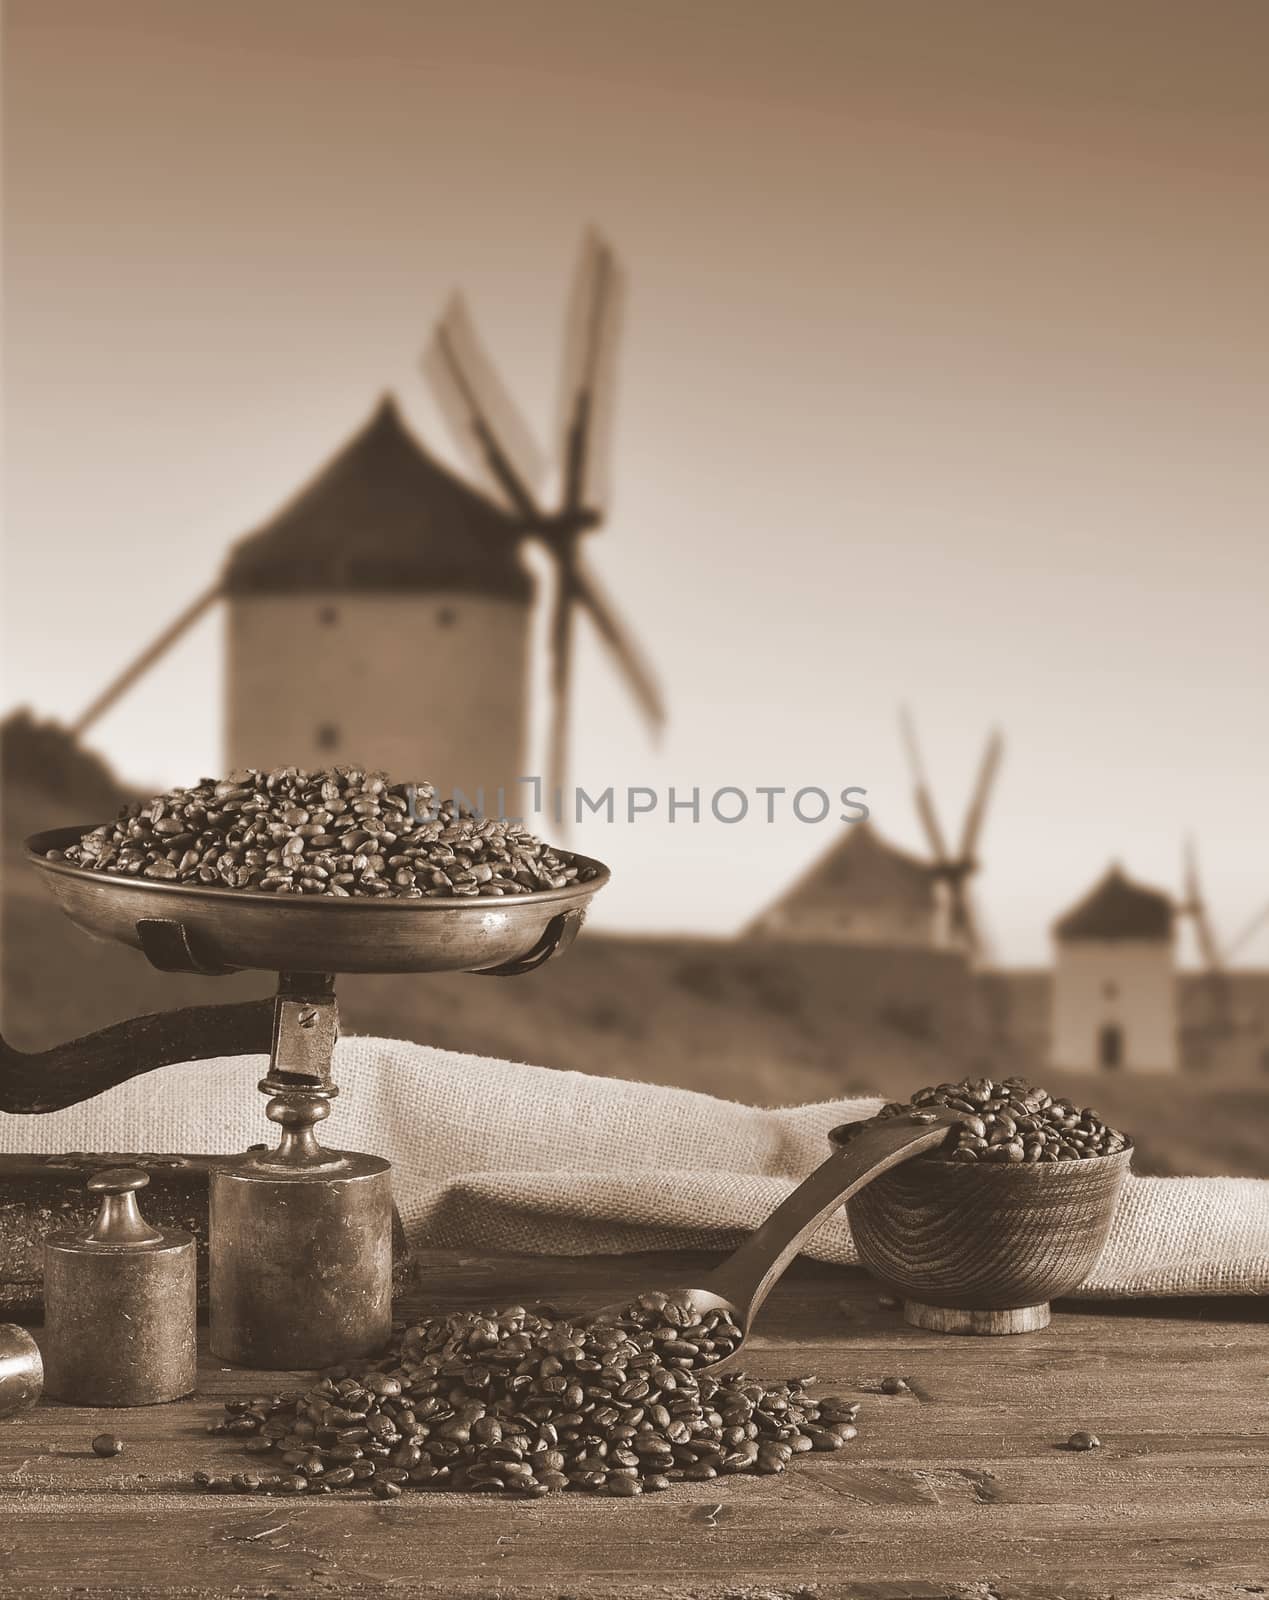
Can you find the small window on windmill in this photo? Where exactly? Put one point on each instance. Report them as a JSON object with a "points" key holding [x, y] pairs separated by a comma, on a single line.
{"points": [[327, 736], [328, 616], [446, 617]]}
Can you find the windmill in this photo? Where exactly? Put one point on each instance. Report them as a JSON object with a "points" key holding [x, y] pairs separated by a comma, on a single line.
{"points": [[386, 546], [954, 871], [1214, 959], [501, 449]]}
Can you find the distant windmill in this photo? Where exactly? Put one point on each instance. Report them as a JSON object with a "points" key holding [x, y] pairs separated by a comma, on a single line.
{"points": [[500, 446], [1214, 958], [954, 871], [387, 568]]}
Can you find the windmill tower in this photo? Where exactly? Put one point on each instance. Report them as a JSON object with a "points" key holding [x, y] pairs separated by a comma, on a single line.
{"points": [[386, 593], [952, 873], [861, 891], [865, 891], [383, 615], [1114, 989]]}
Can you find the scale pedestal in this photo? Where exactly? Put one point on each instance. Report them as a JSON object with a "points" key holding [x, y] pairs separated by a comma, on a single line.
{"points": [[301, 1263]]}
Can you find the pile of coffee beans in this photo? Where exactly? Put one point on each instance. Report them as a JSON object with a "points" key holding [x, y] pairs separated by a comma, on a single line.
{"points": [[529, 1403], [339, 832], [1012, 1121]]}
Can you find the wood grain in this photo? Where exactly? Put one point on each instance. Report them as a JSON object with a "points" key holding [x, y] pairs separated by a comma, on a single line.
{"points": [[984, 1236], [955, 1490]]}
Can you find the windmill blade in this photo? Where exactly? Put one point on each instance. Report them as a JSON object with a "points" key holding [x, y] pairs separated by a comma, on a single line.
{"points": [[1209, 949], [586, 590], [485, 421], [962, 920], [592, 331], [1190, 875], [149, 656], [561, 647], [1249, 933], [923, 798], [982, 793]]}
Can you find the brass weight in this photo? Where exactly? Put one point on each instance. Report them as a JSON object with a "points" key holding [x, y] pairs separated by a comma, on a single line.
{"points": [[119, 1304], [301, 1249]]}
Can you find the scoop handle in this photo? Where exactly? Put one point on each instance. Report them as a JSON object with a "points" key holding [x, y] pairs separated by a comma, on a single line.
{"points": [[750, 1273]]}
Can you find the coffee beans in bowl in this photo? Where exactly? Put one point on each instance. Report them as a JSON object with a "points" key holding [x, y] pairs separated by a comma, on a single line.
{"points": [[528, 1403], [341, 832], [1010, 1212], [1011, 1121]]}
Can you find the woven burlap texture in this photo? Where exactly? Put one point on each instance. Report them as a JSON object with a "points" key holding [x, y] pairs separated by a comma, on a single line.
{"points": [[494, 1155]]}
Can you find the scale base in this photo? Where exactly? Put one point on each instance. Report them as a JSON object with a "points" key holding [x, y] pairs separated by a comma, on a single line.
{"points": [[950, 1319]]}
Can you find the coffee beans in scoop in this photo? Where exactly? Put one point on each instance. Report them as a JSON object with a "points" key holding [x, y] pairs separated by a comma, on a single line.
{"points": [[523, 1402], [340, 832], [1011, 1121]]}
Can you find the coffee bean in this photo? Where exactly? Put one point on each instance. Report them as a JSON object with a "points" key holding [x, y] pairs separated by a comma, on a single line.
{"points": [[1083, 1441], [530, 1403], [107, 1444], [1012, 1122], [339, 832]]}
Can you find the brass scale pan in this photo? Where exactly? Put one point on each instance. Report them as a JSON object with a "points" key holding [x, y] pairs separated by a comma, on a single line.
{"points": [[234, 929]]}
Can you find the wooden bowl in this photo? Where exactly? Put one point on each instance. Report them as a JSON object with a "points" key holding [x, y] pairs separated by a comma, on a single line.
{"points": [[982, 1247]]}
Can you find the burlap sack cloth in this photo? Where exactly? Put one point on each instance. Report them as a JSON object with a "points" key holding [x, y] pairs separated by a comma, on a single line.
{"points": [[492, 1155]]}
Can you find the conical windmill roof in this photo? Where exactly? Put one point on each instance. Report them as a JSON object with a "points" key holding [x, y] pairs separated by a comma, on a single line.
{"points": [[1117, 908], [862, 869], [383, 514]]}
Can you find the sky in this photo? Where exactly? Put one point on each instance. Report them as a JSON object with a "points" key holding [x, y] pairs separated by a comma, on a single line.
{"points": [[944, 380]]}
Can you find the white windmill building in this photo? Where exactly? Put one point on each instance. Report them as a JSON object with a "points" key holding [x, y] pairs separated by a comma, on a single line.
{"points": [[865, 891], [383, 616], [1114, 990], [1118, 999]]}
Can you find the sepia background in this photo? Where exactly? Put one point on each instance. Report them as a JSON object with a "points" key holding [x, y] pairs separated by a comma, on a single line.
{"points": [[941, 384]]}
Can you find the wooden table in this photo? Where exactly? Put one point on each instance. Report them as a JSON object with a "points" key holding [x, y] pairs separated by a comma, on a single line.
{"points": [[957, 1488]]}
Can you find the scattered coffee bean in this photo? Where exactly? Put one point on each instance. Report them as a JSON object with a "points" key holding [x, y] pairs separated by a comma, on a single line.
{"points": [[1012, 1122], [1083, 1441], [517, 1401], [107, 1444], [893, 1386], [338, 832]]}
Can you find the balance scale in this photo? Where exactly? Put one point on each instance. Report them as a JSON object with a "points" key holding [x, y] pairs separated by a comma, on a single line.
{"points": [[301, 1255]]}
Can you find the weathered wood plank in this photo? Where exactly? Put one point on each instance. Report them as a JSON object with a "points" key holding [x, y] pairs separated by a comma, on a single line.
{"points": [[956, 1489]]}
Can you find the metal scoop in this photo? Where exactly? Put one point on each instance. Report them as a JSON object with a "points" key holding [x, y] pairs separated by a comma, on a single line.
{"points": [[742, 1283]]}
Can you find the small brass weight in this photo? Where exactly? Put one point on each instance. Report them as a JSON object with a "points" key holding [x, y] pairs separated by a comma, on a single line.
{"points": [[119, 1304], [300, 1271]]}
